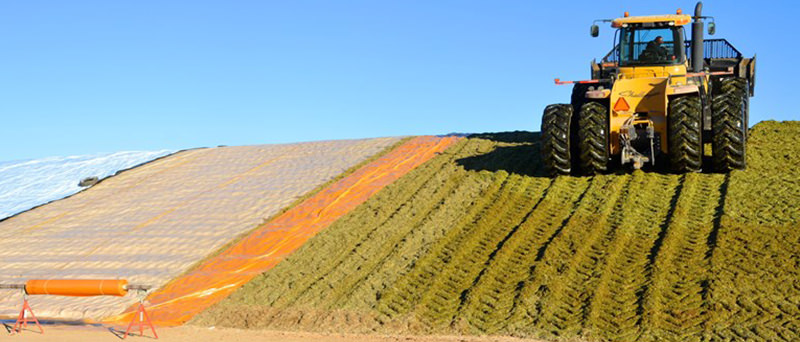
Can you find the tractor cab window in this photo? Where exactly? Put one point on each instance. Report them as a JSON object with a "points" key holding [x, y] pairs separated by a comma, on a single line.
{"points": [[651, 46]]}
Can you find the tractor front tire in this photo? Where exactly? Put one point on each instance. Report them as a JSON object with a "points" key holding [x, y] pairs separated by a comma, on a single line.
{"points": [[684, 134], [728, 125], [593, 138], [556, 139]]}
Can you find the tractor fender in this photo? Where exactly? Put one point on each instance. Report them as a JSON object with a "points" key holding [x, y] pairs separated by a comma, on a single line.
{"points": [[684, 89], [598, 94]]}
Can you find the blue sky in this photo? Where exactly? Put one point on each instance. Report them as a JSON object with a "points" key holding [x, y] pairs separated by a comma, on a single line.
{"points": [[79, 77]]}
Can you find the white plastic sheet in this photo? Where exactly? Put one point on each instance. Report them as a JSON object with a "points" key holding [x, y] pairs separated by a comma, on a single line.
{"points": [[154, 222]]}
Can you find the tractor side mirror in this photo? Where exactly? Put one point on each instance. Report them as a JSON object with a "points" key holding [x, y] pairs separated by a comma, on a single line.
{"points": [[595, 31], [712, 28]]}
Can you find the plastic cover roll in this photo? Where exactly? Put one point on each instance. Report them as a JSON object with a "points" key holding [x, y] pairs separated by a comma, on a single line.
{"points": [[76, 287]]}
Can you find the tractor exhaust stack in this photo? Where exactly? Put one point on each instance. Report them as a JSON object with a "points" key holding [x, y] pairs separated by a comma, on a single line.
{"points": [[697, 38]]}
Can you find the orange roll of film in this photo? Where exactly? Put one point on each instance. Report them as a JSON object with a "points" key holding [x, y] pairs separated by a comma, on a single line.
{"points": [[77, 287]]}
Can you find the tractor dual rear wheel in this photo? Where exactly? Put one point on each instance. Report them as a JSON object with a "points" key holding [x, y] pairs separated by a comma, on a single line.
{"points": [[729, 129], [685, 134], [593, 138], [556, 139], [737, 86]]}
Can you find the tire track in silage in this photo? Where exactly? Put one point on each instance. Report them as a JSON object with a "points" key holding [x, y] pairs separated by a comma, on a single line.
{"points": [[754, 288], [407, 290], [408, 251], [614, 312], [553, 296], [754, 292], [438, 306], [490, 301], [673, 303]]}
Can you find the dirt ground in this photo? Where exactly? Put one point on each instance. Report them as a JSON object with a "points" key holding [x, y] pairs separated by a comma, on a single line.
{"points": [[97, 333]]}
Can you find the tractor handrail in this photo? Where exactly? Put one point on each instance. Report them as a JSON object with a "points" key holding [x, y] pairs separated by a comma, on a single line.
{"points": [[716, 48], [712, 48]]}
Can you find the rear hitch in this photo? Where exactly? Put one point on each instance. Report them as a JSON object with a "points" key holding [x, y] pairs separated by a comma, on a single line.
{"points": [[630, 135]]}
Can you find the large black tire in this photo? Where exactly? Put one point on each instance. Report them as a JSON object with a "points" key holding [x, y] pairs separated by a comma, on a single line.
{"points": [[729, 129], [737, 86], [734, 85], [684, 134], [593, 138], [556, 139], [577, 100]]}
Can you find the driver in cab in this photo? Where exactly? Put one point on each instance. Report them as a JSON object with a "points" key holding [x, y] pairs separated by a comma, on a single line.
{"points": [[654, 52]]}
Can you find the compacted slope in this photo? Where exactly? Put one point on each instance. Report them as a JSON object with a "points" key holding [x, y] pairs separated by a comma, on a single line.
{"points": [[478, 241], [153, 223]]}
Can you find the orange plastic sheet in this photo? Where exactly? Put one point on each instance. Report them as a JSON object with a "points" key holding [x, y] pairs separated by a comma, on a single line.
{"points": [[218, 277]]}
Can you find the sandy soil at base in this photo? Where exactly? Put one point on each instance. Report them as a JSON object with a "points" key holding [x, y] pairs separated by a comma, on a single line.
{"points": [[90, 333]]}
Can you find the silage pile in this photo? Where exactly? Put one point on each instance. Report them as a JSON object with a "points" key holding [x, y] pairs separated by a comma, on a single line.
{"points": [[478, 241]]}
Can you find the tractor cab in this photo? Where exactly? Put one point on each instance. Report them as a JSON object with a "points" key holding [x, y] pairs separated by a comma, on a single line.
{"points": [[645, 41]]}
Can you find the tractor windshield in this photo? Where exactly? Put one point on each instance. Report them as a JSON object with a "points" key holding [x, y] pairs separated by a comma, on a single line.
{"points": [[651, 46]]}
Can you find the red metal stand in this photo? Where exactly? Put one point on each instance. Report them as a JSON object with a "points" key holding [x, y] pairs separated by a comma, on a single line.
{"points": [[22, 320], [143, 320]]}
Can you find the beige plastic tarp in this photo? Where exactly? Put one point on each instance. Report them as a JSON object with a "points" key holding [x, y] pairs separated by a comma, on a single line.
{"points": [[151, 224]]}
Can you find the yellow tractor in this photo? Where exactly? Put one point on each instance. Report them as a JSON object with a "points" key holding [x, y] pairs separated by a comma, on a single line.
{"points": [[655, 98]]}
